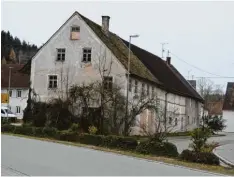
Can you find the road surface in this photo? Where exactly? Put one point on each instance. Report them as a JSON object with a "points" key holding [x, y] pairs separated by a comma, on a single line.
{"points": [[226, 152], [183, 142], [40, 158]]}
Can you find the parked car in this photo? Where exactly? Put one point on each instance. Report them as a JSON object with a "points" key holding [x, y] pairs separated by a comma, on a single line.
{"points": [[6, 114]]}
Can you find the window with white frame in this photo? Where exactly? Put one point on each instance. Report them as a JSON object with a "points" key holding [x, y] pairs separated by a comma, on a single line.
{"points": [[170, 120], [53, 81], [87, 54], [148, 88], [61, 54], [153, 91], [75, 33], [108, 80], [136, 86], [10, 93], [130, 85], [18, 109], [19, 93], [143, 88], [176, 121]]}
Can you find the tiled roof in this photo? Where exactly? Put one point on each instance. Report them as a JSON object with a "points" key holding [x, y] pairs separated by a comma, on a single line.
{"points": [[18, 79], [166, 73], [229, 97], [120, 50], [143, 63]]}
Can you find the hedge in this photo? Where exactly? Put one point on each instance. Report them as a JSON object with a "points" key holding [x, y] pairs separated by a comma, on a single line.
{"points": [[157, 148], [126, 143], [110, 141], [200, 157]]}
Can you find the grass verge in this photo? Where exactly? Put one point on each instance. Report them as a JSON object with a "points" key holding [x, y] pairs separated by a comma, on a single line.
{"points": [[209, 168]]}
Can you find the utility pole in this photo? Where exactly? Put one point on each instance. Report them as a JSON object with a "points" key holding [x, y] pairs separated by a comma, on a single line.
{"points": [[9, 87], [188, 73], [129, 58], [163, 43]]}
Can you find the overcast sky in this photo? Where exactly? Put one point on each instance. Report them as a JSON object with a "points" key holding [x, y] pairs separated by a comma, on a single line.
{"points": [[200, 33]]}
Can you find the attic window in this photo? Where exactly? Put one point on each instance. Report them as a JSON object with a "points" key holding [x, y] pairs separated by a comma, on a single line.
{"points": [[75, 33]]}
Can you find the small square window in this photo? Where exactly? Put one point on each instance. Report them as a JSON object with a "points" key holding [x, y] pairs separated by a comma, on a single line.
{"points": [[53, 82], [18, 109], [75, 29], [107, 82], [148, 89], [87, 54], [75, 32], [170, 120], [176, 121], [153, 92], [143, 88], [19, 93], [10, 93], [136, 86], [61, 54], [130, 85]]}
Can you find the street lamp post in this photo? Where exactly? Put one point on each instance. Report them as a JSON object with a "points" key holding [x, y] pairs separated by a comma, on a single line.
{"points": [[129, 58], [9, 87]]}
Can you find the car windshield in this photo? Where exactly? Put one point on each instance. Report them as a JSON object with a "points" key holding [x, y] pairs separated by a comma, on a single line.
{"points": [[8, 111]]}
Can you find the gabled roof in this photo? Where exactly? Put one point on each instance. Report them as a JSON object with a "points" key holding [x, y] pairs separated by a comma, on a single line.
{"points": [[166, 73], [229, 97], [117, 47], [18, 79], [144, 64]]}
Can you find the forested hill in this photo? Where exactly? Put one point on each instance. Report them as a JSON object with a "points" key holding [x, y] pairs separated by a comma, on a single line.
{"points": [[14, 50]]}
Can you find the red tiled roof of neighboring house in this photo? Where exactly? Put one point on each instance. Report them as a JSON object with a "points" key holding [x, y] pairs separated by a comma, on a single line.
{"points": [[215, 107], [18, 79], [229, 97]]}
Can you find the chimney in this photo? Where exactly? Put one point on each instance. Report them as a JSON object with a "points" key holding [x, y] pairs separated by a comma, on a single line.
{"points": [[168, 60], [193, 83], [105, 24]]}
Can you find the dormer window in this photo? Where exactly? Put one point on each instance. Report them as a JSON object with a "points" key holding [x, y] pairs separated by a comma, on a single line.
{"points": [[75, 33]]}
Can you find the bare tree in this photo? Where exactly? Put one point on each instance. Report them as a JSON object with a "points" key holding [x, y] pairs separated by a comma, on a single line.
{"points": [[212, 94]]}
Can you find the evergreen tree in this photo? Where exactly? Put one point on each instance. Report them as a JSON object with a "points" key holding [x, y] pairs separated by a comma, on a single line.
{"points": [[11, 47], [12, 56]]}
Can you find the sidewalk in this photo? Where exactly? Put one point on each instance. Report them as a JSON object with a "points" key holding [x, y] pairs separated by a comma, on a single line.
{"points": [[225, 153]]}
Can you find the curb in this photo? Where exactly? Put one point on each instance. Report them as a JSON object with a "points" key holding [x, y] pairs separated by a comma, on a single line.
{"points": [[223, 159]]}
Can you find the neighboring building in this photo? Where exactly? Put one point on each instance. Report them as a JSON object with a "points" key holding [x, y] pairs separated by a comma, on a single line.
{"points": [[73, 55], [19, 88], [215, 108], [228, 107]]}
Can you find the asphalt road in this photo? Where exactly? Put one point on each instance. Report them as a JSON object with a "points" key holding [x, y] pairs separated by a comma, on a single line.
{"points": [[226, 152], [183, 142], [38, 158]]}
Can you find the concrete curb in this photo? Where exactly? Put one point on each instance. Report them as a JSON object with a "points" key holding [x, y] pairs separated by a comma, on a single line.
{"points": [[223, 159]]}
